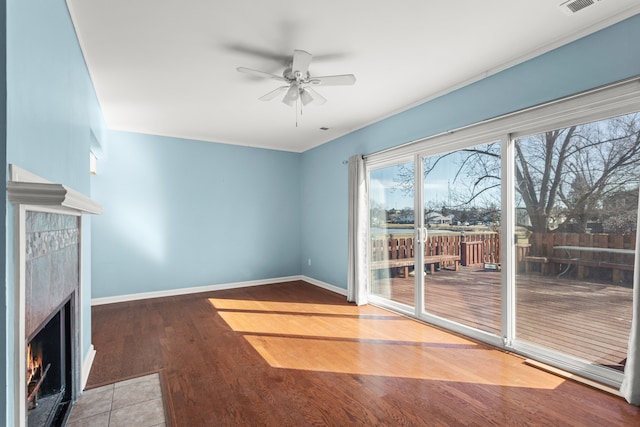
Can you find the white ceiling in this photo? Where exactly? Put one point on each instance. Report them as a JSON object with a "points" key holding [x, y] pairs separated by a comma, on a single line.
{"points": [[168, 67]]}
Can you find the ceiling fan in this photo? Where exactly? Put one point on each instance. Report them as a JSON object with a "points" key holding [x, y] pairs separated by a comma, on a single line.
{"points": [[299, 82]]}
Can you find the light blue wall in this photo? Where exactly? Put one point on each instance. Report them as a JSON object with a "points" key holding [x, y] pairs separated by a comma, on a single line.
{"points": [[51, 109], [182, 213], [604, 57], [3, 207]]}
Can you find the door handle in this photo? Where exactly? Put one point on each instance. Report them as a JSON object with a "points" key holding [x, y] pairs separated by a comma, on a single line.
{"points": [[421, 234]]}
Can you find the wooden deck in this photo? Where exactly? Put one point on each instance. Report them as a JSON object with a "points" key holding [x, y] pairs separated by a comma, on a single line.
{"points": [[589, 320]]}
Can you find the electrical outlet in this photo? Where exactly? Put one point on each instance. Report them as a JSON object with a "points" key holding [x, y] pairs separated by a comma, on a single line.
{"points": [[309, 261]]}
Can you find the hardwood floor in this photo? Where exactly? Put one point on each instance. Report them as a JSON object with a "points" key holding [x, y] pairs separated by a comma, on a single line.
{"points": [[292, 354]]}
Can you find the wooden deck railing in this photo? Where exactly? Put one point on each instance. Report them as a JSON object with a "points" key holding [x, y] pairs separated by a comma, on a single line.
{"points": [[471, 249], [480, 248], [538, 255]]}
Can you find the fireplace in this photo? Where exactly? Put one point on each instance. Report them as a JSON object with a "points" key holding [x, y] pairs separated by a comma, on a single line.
{"points": [[49, 370], [52, 279]]}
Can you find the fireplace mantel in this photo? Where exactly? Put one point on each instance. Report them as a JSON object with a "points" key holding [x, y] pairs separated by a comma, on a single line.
{"points": [[50, 195], [28, 189], [30, 193]]}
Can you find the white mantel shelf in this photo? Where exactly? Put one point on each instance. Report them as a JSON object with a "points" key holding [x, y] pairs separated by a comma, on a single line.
{"points": [[26, 188], [51, 195]]}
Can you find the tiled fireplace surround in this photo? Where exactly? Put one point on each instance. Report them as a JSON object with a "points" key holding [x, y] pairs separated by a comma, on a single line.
{"points": [[48, 267], [51, 279]]}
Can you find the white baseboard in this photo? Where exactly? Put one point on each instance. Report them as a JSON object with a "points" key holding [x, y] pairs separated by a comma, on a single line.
{"points": [[198, 289], [193, 290], [86, 366], [324, 285]]}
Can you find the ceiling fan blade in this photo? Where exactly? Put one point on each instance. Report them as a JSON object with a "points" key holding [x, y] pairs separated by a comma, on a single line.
{"points": [[340, 80], [260, 74], [284, 60], [301, 61], [292, 95], [274, 93], [308, 95]]}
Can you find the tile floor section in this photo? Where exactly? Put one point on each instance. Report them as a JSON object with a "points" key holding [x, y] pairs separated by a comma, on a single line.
{"points": [[136, 402]]}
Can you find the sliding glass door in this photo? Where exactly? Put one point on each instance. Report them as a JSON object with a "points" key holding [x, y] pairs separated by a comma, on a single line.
{"points": [[392, 232], [576, 212], [519, 231], [440, 262], [461, 203]]}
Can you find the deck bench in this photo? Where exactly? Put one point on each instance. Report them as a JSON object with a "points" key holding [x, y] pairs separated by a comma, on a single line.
{"points": [[584, 257], [431, 260], [551, 263], [529, 261], [583, 264]]}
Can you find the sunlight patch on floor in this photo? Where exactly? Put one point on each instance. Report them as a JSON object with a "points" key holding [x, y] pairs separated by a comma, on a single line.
{"points": [[293, 307], [350, 327], [402, 360], [350, 340]]}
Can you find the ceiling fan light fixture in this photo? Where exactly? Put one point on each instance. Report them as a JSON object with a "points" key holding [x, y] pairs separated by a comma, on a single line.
{"points": [[292, 95], [305, 97]]}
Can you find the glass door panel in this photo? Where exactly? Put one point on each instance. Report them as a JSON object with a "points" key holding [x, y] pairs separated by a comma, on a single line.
{"points": [[461, 201], [391, 225], [576, 209]]}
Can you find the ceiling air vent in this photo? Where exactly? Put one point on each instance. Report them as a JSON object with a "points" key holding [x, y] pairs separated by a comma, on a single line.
{"points": [[572, 6]]}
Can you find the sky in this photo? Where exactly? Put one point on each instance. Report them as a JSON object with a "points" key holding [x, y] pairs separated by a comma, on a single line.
{"points": [[440, 186]]}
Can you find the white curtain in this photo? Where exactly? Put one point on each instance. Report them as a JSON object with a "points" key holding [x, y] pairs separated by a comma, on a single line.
{"points": [[630, 387], [358, 274]]}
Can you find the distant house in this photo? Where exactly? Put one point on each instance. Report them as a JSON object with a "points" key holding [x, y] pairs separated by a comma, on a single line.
{"points": [[436, 218], [405, 219]]}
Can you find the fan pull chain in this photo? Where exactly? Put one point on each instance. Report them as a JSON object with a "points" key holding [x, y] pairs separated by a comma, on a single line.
{"points": [[298, 105]]}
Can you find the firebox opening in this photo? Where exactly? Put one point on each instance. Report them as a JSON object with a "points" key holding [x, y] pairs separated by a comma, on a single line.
{"points": [[49, 371]]}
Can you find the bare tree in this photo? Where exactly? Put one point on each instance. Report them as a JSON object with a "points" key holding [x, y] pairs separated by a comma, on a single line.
{"points": [[562, 176]]}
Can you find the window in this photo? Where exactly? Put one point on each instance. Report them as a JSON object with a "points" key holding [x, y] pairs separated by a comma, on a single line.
{"points": [[522, 229], [576, 213], [93, 163]]}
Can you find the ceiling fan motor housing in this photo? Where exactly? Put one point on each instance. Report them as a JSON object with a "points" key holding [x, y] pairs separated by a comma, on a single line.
{"points": [[295, 76]]}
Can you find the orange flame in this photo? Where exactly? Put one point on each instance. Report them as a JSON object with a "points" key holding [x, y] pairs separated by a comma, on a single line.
{"points": [[34, 365]]}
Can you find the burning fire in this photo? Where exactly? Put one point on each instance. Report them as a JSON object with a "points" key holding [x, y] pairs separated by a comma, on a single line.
{"points": [[34, 365]]}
